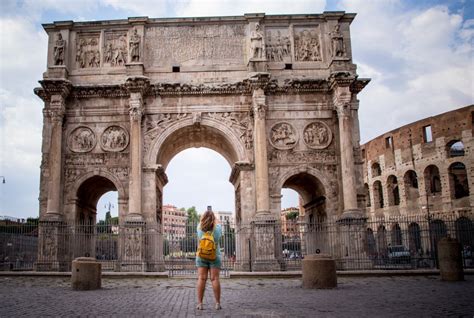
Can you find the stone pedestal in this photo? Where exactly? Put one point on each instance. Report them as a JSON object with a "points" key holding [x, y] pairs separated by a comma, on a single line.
{"points": [[135, 69], [56, 72], [52, 249], [450, 260], [86, 274], [264, 245], [257, 65], [132, 250], [319, 271]]}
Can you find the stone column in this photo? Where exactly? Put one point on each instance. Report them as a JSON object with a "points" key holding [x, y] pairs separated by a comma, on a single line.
{"points": [[134, 231], [343, 108], [260, 151], [137, 88], [52, 252], [56, 115]]}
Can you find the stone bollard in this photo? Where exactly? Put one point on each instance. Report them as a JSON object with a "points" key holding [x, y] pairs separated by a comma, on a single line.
{"points": [[86, 274], [319, 271], [450, 259]]}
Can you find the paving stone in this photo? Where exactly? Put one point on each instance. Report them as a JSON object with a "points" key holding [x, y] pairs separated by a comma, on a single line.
{"points": [[149, 297]]}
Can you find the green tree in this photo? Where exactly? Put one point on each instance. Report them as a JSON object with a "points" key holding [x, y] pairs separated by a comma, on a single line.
{"points": [[293, 215]]}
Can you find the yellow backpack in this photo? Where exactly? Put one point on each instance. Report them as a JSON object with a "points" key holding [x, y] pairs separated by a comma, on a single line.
{"points": [[207, 247]]}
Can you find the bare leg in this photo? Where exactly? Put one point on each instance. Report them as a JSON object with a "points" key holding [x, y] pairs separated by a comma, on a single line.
{"points": [[201, 284], [216, 285]]}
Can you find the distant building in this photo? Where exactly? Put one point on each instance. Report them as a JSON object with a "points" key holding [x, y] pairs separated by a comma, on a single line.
{"points": [[223, 216], [174, 222], [289, 226]]}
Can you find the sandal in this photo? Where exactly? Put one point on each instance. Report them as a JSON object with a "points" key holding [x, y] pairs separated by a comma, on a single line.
{"points": [[199, 306], [218, 306]]}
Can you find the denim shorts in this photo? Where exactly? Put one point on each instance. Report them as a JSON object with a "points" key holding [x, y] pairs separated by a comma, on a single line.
{"points": [[209, 264]]}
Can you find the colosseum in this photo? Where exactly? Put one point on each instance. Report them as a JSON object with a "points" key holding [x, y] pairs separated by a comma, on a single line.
{"points": [[421, 176]]}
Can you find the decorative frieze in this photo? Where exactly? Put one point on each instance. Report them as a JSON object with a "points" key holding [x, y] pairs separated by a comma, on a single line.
{"points": [[240, 122], [291, 157]]}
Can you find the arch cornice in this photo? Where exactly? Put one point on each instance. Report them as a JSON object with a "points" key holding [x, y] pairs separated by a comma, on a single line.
{"points": [[237, 145]]}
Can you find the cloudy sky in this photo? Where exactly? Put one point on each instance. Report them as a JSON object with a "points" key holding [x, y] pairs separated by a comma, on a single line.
{"points": [[419, 55]]}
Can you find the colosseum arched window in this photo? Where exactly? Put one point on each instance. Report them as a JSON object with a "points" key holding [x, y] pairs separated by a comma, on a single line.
{"points": [[432, 180], [458, 180], [465, 232], [411, 185], [378, 195], [376, 170], [382, 240], [455, 148], [393, 191], [414, 237]]}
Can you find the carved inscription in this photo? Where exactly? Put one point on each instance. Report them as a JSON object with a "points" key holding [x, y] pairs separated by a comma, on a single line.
{"points": [[87, 51], [81, 139], [278, 45], [115, 48], [114, 138], [307, 44], [317, 135], [283, 136], [195, 45]]}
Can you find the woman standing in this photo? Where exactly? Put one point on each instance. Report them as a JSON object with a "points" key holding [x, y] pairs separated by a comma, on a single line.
{"points": [[209, 224]]}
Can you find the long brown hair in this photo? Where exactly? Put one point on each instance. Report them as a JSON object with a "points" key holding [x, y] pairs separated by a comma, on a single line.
{"points": [[207, 221]]}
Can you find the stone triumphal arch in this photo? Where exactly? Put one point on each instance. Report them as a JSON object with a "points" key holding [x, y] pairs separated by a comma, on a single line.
{"points": [[276, 96]]}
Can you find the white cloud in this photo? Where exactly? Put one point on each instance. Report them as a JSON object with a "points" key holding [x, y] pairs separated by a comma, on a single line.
{"points": [[420, 61]]}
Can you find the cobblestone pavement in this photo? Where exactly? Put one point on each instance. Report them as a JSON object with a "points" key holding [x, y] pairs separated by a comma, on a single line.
{"points": [[252, 297]]}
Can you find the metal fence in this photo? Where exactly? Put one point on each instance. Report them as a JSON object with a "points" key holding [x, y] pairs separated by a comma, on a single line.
{"points": [[387, 244]]}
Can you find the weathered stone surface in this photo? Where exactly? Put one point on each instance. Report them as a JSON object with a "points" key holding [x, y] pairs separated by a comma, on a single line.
{"points": [[450, 259], [86, 274], [319, 271], [275, 95]]}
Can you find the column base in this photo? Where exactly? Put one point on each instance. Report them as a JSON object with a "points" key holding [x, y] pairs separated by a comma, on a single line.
{"points": [[257, 65], [271, 265]]}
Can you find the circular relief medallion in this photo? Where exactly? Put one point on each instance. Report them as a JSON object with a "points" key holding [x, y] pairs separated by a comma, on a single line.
{"points": [[81, 139], [114, 138], [283, 136], [317, 135]]}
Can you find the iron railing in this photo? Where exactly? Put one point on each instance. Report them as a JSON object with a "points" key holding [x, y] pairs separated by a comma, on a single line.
{"points": [[385, 243]]}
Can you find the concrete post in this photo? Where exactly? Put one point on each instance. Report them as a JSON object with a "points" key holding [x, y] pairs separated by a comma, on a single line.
{"points": [[450, 259], [319, 271], [86, 274]]}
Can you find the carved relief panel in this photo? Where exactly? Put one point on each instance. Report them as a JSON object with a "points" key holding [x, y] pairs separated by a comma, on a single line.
{"points": [[283, 136], [114, 138], [308, 44], [278, 45], [87, 50], [115, 48], [317, 135], [81, 139]]}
